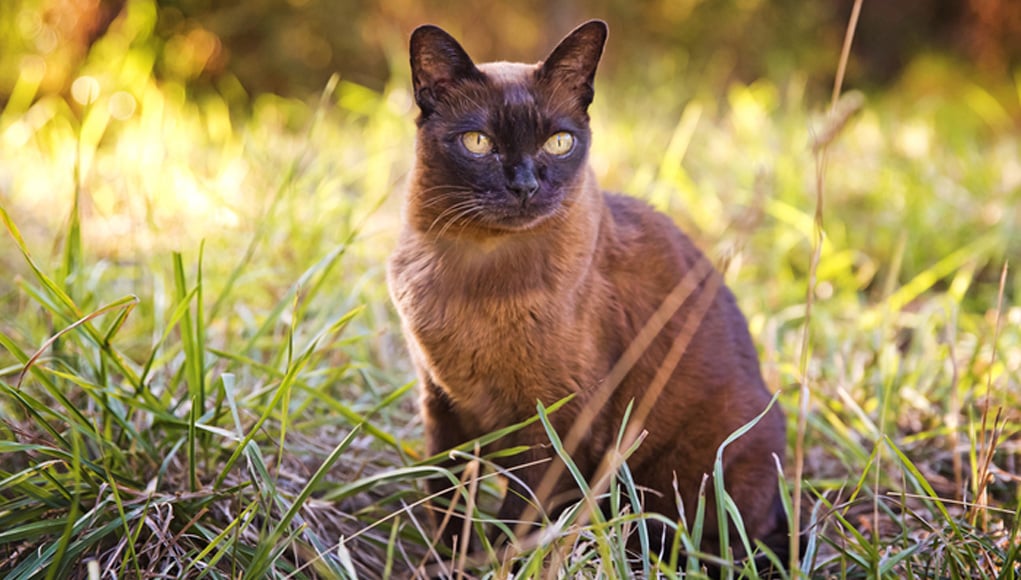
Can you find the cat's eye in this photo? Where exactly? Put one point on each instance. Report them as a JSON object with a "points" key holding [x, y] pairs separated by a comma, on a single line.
{"points": [[559, 144], [477, 143]]}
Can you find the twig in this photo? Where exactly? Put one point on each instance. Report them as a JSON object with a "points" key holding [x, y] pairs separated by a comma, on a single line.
{"points": [[990, 442], [804, 393]]}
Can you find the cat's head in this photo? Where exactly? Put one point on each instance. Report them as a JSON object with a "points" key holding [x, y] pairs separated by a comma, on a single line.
{"points": [[501, 146]]}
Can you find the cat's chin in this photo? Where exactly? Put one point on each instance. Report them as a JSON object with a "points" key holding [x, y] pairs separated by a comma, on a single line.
{"points": [[517, 220]]}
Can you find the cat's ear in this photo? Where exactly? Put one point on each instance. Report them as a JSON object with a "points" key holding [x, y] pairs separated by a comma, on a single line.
{"points": [[437, 60], [572, 64]]}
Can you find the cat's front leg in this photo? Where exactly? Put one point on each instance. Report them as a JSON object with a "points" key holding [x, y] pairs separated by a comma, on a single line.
{"points": [[539, 484], [444, 429]]}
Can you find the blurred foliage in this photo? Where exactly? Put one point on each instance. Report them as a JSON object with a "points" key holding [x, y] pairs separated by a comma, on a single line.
{"points": [[292, 47], [156, 112], [158, 162]]}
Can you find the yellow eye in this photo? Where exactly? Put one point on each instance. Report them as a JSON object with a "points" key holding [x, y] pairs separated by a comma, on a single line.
{"points": [[477, 143], [559, 144]]}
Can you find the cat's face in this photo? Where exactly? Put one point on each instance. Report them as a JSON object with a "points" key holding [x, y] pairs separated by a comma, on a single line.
{"points": [[500, 145]]}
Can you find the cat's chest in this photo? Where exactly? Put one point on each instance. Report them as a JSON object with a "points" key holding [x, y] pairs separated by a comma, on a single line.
{"points": [[489, 342], [482, 338]]}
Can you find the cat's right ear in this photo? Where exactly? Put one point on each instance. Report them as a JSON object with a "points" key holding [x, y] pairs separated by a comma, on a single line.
{"points": [[572, 64], [437, 61]]}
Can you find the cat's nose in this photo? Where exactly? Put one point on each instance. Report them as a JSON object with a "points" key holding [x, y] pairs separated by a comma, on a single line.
{"points": [[523, 184]]}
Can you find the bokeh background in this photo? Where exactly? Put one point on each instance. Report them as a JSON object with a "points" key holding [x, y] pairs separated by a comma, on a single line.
{"points": [[175, 118], [291, 47]]}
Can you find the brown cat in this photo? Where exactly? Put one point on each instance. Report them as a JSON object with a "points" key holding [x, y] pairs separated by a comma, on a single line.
{"points": [[518, 281]]}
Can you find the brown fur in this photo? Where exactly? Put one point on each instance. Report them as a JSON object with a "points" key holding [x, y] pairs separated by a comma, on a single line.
{"points": [[505, 303]]}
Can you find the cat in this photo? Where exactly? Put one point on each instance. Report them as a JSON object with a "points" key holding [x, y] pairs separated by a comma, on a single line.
{"points": [[518, 281]]}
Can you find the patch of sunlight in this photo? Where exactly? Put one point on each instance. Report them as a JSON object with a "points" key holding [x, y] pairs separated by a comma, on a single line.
{"points": [[144, 159], [85, 90], [751, 106], [867, 132], [1010, 173], [122, 105], [914, 139]]}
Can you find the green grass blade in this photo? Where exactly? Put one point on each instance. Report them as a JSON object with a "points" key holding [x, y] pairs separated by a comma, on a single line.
{"points": [[64, 541], [126, 304], [724, 503], [70, 309], [194, 368], [262, 558]]}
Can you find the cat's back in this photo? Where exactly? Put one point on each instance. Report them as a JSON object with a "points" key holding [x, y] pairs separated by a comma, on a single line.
{"points": [[646, 256], [645, 241]]}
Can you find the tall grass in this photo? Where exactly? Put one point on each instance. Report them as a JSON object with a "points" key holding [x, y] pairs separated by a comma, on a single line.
{"points": [[201, 375]]}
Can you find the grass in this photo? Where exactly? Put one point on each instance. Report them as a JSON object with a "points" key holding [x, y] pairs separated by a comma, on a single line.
{"points": [[201, 375]]}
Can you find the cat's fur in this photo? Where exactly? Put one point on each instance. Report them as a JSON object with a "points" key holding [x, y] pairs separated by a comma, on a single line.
{"points": [[518, 281]]}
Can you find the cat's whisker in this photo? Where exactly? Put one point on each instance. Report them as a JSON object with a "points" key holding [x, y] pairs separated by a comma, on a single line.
{"points": [[442, 196], [453, 210], [450, 210], [438, 200], [445, 187], [468, 97], [466, 212]]}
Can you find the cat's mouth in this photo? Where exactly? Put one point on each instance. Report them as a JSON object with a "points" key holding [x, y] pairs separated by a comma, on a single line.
{"points": [[516, 215], [494, 213]]}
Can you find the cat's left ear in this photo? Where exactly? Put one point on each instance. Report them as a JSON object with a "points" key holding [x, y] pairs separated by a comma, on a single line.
{"points": [[437, 61], [572, 64]]}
